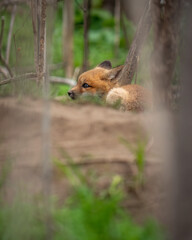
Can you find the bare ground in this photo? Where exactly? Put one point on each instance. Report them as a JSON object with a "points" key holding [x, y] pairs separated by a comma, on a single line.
{"points": [[91, 136]]}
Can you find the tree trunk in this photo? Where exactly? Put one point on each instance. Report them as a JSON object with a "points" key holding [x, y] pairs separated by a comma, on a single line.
{"points": [[68, 32], [182, 195], [164, 53]]}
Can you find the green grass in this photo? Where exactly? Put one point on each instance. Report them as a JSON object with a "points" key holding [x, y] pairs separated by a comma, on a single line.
{"points": [[86, 214], [59, 90], [138, 152], [90, 215]]}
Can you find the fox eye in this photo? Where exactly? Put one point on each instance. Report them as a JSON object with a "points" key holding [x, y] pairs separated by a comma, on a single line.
{"points": [[85, 85]]}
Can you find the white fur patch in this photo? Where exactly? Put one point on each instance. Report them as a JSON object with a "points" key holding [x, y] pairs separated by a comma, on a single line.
{"points": [[116, 94]]}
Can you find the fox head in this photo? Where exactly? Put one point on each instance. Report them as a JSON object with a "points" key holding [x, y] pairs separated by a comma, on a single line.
{"points": [[99, 80]]}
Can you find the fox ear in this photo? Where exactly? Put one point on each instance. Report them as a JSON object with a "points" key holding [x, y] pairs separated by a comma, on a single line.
{"points": [[113, 73], [106, 64]]}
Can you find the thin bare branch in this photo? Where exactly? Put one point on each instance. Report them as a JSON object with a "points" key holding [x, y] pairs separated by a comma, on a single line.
{"points": [[23, 77], [68, 81], [33, 76]]}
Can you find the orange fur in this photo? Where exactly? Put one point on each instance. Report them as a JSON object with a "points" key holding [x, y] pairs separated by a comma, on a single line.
{"points": [[103, 80]]}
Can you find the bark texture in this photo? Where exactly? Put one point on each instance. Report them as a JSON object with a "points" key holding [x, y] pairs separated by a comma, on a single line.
{"points": [[165, 15]]}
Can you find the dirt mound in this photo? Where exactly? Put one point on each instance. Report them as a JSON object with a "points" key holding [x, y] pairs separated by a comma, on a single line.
{"points": [[91, 135]]}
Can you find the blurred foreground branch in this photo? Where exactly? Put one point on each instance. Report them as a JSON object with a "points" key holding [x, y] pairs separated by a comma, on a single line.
{"points": [[182, 182]]}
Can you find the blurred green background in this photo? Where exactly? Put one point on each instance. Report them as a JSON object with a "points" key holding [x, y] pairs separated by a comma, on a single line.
{"points": [[101, 41]]}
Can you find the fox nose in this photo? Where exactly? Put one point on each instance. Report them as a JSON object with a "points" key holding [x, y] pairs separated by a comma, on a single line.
{"points": [[71, 94]]}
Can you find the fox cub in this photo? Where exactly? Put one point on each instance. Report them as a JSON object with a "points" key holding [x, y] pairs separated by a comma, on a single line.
{"points": [[103, 80]]}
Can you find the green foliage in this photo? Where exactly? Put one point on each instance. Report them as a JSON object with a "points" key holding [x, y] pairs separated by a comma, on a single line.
{"points": [[87, 215], [139, 156], [101, 40], [101, 37], [21, 220], [59, 89], [4, 171], [83, 100]]}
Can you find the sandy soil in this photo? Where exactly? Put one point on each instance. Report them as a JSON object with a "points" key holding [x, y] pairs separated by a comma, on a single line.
{"points": [[91, 136]]}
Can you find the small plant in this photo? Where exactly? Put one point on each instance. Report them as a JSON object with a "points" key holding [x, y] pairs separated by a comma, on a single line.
{"points": [[4, 172], [90, 215], [139, 156], [86, 214]]}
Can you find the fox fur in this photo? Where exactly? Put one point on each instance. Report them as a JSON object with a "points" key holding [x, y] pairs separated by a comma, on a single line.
{"points": [[103, 80]]}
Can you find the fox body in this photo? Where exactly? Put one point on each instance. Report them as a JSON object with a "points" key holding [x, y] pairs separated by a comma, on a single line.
{"points": [[103, 80]]}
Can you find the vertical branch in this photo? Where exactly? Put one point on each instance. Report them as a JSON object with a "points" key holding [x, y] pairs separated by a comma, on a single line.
{"points": [[143, 28], [117, 26], [87, 7], [42, 43], [10, 34], [164, 53], [38, 9], [68, 31], [34, 13]]}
